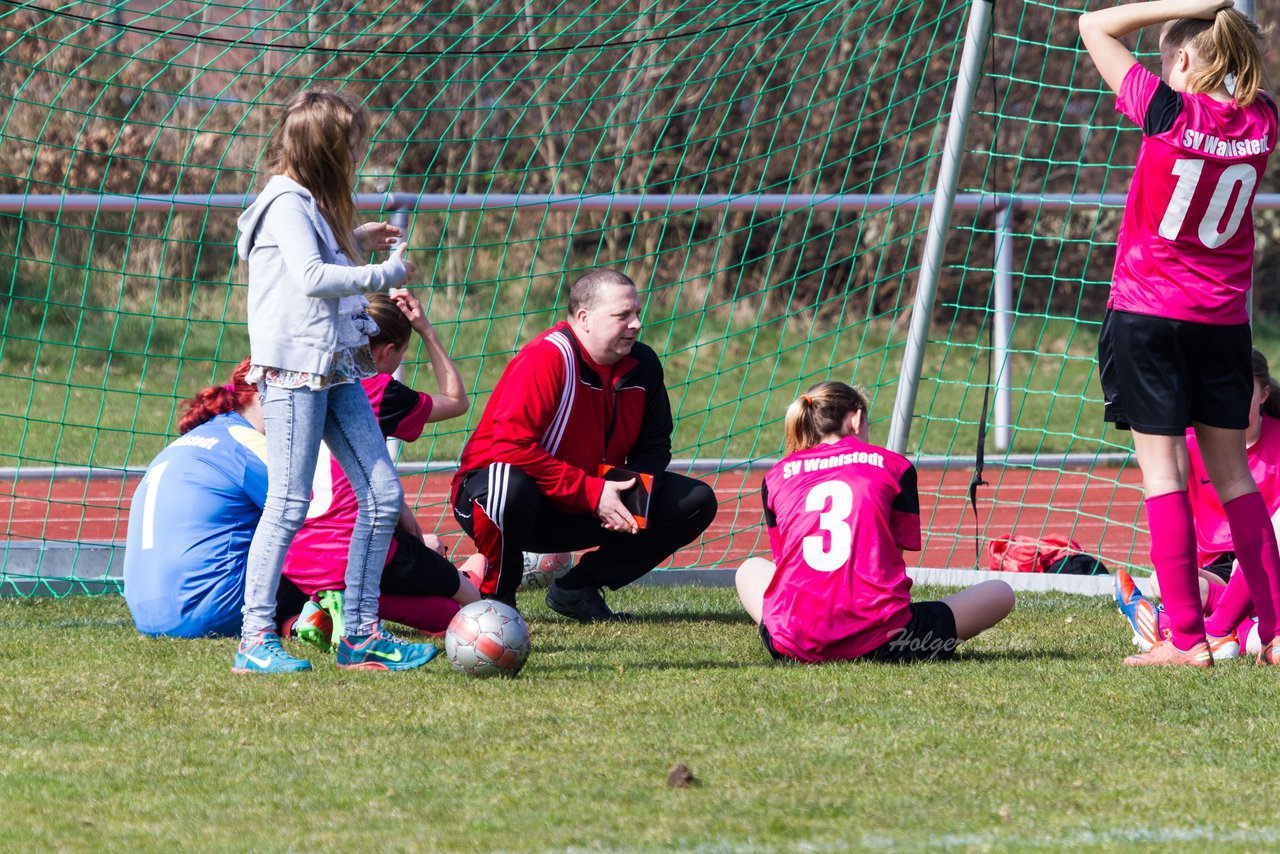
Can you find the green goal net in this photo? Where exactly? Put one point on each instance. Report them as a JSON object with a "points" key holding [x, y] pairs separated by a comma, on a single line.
{"points": [[765, 171]]}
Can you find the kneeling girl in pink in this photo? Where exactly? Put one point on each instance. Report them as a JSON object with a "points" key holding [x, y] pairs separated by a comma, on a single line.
{"points": [[420, 587], [840, 513]]}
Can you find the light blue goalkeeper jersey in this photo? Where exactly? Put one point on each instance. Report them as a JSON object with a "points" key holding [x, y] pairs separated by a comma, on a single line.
{"points": [[190, 524]]}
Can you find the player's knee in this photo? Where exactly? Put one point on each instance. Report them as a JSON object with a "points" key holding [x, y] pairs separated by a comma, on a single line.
{"points": [[286, 513], [1000, 599], [700, 506], [384, 499]]}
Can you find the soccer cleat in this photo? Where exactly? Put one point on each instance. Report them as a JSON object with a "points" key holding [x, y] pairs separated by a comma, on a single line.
{"points": [[586, 605], [266, 655], [382, 650], [1165, 654], [1143, 617], [314, 626], [1223, 648], [508, 599], [1270, 655], [331, 602]]}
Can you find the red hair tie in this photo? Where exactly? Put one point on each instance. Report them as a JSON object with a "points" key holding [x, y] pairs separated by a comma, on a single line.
{"points": [[231, 387], [808, 401]]}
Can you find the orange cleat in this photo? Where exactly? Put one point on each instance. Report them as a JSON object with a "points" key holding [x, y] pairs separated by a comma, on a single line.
{"points": [[1224, 648], [1143, 617], [1270, 655], [1165, 654]]}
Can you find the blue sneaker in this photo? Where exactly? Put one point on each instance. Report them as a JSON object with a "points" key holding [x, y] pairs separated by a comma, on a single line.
{"points": [[1143, 617], [266, 655], [383, 651]]}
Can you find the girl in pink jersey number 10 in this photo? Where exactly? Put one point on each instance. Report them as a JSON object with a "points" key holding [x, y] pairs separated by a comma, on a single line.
{"points": [[1174, 350], [840, 512]]}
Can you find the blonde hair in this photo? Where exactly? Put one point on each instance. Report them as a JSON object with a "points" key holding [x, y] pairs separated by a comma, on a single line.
{"points": [[820, 412], [1230, 44], [315, 144], [393, 326]]}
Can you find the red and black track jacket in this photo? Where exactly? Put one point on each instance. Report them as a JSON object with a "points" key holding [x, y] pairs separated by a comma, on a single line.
{"points": [[556, 415]]}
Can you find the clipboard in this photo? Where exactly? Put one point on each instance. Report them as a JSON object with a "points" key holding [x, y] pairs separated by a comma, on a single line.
{"points": [[635, 499]]}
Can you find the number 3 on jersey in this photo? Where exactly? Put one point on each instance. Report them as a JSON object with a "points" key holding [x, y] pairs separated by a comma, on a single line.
{"points": [[1235, 186], [833, 502]]}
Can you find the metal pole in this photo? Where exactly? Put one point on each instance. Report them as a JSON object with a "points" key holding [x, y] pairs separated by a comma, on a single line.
{"points": [[975, 43], [400, 219], [1246, 8], [609, 202], [1002, 327]]}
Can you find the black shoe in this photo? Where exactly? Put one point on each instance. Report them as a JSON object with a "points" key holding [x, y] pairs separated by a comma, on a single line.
{"points": [[508, 599], [586, 605]]}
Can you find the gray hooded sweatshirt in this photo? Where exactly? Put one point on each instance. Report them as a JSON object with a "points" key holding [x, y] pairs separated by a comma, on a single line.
{"points": [[305, 296]]}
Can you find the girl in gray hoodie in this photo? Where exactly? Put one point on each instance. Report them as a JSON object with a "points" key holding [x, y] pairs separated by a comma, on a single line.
{"points": [[309, 343]]}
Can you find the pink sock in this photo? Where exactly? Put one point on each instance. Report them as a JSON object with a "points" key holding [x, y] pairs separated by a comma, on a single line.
{"points": [[1173, 553], [428, 614], [1254, 542], [1234, 605], [1243, 631], [1213, 597]]}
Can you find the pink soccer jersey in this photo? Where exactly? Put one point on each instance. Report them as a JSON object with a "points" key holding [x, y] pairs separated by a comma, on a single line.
{"points": [[1213, 534], [317, 558], [1185, 249], [839, 516]]}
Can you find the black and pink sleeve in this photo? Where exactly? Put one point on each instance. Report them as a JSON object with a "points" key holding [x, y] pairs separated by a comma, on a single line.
{"points": [[904, 517]]}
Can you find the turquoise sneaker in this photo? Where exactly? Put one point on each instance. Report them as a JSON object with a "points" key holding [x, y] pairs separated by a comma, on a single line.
{"points": [[383, 651], [266, 655]]}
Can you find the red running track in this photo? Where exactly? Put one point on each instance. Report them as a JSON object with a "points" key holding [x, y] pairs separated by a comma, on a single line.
{"points": [[1099, 508]]}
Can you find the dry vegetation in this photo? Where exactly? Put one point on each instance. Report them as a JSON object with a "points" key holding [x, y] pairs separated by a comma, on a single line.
{"points": [[830, 98]]}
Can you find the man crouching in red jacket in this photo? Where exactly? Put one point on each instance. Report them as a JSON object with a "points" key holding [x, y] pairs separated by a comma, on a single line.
{"points": [[581, 397]]}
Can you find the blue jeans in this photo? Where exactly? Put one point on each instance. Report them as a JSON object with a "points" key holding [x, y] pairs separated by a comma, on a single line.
{"points": [[296, 420]]}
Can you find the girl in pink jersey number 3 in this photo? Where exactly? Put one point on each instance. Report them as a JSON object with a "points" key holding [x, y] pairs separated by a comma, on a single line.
{"points": [[840, 513], [1174, 350]]}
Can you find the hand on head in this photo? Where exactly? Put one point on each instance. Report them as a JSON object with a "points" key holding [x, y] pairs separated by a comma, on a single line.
{"points": [[408, 304], [1205, 9]]}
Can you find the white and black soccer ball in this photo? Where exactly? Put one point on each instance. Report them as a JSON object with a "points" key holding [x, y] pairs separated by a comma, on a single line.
{"points": [[487, 638], [542, 569]]}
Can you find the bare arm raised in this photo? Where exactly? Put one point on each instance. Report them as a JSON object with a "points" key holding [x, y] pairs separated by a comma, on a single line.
{"points": [[1101, 30]]}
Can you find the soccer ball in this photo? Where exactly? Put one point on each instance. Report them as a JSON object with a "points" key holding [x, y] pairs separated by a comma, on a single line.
{"points": [[487, 638], [542, 569]]}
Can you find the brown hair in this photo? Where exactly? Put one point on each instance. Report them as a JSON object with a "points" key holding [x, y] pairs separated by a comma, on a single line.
{"points": [[315, 144], [1230, 44], [393, 326], [586, 290], [217, 400], [1262, 375], [820, 412]]}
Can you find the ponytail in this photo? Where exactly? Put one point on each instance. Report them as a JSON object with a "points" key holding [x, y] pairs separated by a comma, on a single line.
{"points": [[818, 413], [393, 326], [1229, 45], [217, 400]]}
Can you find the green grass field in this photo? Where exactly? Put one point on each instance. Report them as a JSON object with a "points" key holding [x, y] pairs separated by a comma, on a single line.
{"points": [[1035, 738]]}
